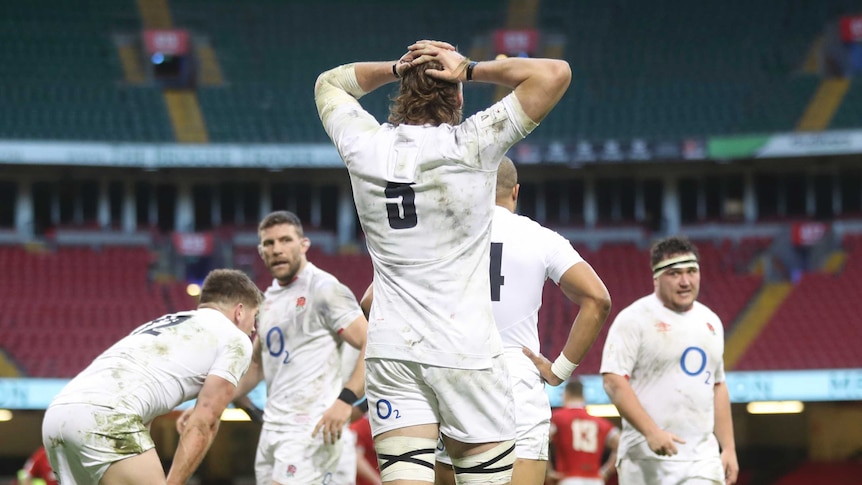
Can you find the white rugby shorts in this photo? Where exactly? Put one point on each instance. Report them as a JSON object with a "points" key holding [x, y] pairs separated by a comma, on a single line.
{"points": [[82, 440], [581, 481], [345, 472], [532, 413], [471, 406], [295, 458], [648, 472]]}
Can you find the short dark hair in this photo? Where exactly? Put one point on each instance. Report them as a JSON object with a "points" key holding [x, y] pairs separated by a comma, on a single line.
{"points": [[669, 246], [229, 287], [278, 218], [575, 388], [422, 99]]}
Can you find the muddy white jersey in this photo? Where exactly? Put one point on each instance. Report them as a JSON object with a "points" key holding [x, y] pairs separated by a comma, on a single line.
{"points": [[425, 199], [523, 255], [162, 364], [673, 361], [299, 328]]}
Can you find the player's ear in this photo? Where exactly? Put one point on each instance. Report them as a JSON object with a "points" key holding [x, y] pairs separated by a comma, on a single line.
{"points": [[515, 191], [238, 313], [305, 243]]}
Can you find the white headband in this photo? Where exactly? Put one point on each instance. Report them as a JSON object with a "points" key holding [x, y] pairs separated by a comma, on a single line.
{"points": [[688, 260]]}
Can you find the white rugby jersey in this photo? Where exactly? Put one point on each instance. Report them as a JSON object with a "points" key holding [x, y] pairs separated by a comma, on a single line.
{"points": [[162, 363], [299, 329], [425, 198], [673, 361], [523, 255]]}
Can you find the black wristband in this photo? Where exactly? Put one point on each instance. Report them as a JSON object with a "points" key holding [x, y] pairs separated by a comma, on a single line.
{"points": [[470, 67], [348, 396], [395, 71]]}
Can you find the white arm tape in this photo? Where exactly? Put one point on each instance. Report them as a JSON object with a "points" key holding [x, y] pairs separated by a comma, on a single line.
{"points": [[563, 367]]}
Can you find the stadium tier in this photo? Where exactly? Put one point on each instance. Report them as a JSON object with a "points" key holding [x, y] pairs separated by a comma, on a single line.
{"points": [[87, 298], [641, 69], [61, 309], [653, 69], [815, 327], [61, 75], [271, 55]]}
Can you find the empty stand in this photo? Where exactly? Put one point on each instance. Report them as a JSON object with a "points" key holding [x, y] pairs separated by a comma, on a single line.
{"points": [[61, 309], [812, 328], [61, 75], [271, 53], [680, 68]]}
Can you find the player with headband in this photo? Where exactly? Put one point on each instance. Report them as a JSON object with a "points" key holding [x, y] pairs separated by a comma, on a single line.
{"points": [[663, 369]]}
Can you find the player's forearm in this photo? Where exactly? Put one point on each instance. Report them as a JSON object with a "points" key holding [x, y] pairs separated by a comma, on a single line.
{"points": [[609, 468], [583, 287], [723, 418], [623, 397], [372, 75], [356, 383], [588, 323], [194, 443], [538, 83], [514, 71]]}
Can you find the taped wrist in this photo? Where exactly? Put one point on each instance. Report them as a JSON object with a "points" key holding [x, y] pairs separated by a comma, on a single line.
{"points": [[563, 367], [344, 77]]}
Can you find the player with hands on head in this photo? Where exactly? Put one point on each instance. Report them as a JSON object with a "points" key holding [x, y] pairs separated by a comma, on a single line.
{"points": [[423, 184], [663, 368], [96, 428]]}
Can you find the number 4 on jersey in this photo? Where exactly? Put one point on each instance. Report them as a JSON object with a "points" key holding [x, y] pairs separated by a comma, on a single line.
{"points": [[497, 278]]}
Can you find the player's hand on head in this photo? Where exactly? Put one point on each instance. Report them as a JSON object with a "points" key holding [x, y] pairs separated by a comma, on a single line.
{"points": [[454, 63], [436, 43], [662, 443], [731, 466], [333, 421], [544, 367]]}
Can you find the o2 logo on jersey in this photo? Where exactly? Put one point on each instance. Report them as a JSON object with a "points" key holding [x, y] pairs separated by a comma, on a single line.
{"points": [[385, 410], [693, 363], [275, 344]]}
